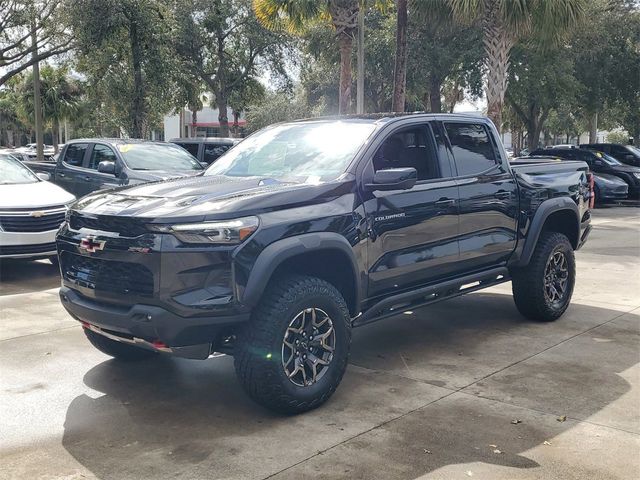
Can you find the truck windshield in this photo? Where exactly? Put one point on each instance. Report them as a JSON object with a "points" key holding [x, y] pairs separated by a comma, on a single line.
{"points": [[13, 172], [157, 156], [315, 151]]}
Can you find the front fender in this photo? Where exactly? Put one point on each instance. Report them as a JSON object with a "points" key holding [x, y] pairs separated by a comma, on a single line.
{"points": [[276, 253]]}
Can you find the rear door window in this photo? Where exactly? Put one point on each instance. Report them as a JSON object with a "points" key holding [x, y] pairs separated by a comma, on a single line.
{"points": [[213, 152], [74, 154], [101, 153], [192, 148], [472, 148]]}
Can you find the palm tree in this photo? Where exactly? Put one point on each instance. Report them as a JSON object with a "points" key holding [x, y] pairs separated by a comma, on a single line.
{"points": [[60, 96], [294, 15], [505, 22], [400, 70]]}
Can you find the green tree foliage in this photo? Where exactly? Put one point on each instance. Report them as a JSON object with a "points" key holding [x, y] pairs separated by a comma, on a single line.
{"points": [[124, 49], [30, 31], [297, 15], [277, 107], [504, 23], [221, 43], [539, 82], [60, 96], [445, 59]]}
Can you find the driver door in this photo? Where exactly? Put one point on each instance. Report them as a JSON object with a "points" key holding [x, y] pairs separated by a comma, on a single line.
{"points": [[413, 234], [96, 180]]}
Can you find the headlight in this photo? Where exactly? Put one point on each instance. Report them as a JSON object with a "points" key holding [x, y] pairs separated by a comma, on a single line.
{"points": [[637, 175], [223, 232]]}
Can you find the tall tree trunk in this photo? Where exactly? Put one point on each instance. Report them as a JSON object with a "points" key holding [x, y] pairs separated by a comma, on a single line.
{"points": [[222, 96], [137, 104], [435, 100], [593, 128], [400, 70], [498, 41], [55, 131], [37, 99], [345, 43]]}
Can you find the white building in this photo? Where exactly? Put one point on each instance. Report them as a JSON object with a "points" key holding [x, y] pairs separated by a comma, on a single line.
{"points": [[206, 125]]}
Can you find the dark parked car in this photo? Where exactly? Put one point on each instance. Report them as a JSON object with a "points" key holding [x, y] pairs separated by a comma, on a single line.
{"points": [[206, 150], [607, 188], [89, 164], [598, 162], [307, 229], [623, 153]]}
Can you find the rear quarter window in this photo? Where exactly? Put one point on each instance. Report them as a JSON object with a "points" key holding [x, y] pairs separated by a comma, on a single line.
{"points": [[192, 148]]}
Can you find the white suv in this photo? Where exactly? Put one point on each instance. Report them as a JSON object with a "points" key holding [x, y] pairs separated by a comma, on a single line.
{"points": [[31, 211]]}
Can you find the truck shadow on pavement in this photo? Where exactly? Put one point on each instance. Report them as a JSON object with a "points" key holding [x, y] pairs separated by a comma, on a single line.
{"points": [[173, 417], [22, 276]]}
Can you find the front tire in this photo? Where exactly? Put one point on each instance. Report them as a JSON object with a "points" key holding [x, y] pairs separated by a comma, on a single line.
{"points": [[292, 354], [118, 350], [542, 290]]}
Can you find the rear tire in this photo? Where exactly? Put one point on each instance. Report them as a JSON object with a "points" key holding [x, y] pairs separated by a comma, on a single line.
{"points": [[542, 290], [118, 350], [305, 321]]}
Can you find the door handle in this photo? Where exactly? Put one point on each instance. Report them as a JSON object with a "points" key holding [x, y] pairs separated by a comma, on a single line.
{"points": [[445, 202], [502, 195], [87, 178], [61, 174]]}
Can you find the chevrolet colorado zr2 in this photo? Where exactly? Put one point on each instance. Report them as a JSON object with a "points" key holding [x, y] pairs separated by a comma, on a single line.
{"points": [[308, 229]]}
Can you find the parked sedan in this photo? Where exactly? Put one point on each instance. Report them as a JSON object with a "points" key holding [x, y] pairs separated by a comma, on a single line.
{"points": [[599, 162], [609, 188], [623, 153], [86, 165], [31, 211]]}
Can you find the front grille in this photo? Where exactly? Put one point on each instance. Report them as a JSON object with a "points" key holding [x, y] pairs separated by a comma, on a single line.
{"points": [[107, 275], [106, 223], [24, 221], [27, 249]]}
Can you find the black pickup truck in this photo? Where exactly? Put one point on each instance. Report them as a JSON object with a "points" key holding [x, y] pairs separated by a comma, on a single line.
{"points": [[308, 229], [88, 164]]}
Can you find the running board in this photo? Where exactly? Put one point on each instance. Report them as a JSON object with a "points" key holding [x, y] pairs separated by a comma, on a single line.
{"points": [[431, 294]]}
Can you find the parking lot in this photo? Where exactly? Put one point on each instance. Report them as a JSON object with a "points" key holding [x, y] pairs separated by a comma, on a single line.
{"points": [[465, 388]]}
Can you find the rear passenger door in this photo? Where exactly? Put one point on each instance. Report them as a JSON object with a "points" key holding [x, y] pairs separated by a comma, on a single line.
{"points": [[70, 172], [488, 196], [412, 233]]}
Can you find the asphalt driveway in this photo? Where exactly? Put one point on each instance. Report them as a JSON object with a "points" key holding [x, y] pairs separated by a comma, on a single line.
{"points": [[465, 388]]}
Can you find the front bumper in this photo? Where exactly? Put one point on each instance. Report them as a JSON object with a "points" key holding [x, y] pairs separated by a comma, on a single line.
{"points": [[27, 244], [148, 287], [149, 325]]}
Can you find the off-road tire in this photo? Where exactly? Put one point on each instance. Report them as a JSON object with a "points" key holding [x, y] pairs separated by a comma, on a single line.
{"points": [[259, 346], [528, 283], [118, 350]]}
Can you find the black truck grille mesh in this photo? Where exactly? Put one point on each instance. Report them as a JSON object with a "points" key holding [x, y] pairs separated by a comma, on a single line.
{"points": [[107, 275]]}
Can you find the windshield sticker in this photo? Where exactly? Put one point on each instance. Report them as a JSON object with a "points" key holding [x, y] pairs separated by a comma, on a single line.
{"points": [[124, 148]]}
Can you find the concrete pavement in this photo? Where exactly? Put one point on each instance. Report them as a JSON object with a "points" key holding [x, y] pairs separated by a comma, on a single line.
{"points": [[463, 389]]}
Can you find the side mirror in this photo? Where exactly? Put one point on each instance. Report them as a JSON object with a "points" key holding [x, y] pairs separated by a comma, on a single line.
{"points": [[393, 179], [43, 176], [107, 167], [598, 163], [204, 164]]}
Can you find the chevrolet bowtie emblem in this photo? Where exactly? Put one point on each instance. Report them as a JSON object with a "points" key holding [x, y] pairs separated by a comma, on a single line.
{"points": [[37, 214], [91, 245]]}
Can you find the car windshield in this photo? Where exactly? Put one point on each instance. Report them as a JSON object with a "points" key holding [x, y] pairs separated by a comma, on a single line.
{"points": [[608, 158], [13, 172], [157, 156], [315, 151], [633, 149]]}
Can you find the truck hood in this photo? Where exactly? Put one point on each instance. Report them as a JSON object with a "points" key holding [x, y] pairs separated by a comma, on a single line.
{"points": [[158, 175], [207, 198], [35, 195]]}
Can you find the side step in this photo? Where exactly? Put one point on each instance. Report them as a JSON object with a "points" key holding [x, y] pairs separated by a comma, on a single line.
{"points": [[431, 294]]}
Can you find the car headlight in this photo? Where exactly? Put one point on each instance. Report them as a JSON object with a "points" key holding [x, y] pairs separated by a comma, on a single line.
{"points": [[637, 175], [223, 232]]}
